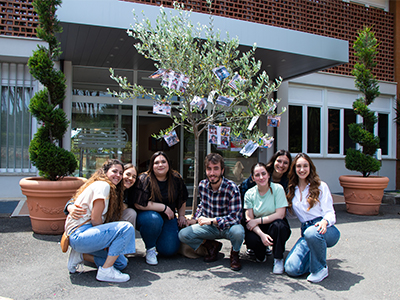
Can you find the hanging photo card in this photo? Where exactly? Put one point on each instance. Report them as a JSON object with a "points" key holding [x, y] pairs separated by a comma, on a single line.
{"points": [[224, 100], [225, 131], [157, 74], [249, 149], [273, 121], [211, 96], [224, 142], [235, 80], [266, 142], [213, 134], [175, 81], [237, 143], [252, 122], [198, 102], [221, 72], [162, 108], [171, 138]]}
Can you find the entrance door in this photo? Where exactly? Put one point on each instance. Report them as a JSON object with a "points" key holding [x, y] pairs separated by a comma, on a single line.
{"points": [[148, 124]]}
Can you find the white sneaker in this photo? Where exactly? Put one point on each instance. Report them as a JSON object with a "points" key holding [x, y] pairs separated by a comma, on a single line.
{"points": [[111, 274], [278, 266], [319, 276], [74, 260], [151, 256]]}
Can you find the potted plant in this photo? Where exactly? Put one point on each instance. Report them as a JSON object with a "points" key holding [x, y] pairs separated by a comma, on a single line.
{"points": [[363, 194], [47, 195]]}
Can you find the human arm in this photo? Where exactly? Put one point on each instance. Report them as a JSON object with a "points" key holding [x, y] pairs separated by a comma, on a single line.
{"points": [[97, 211], [265, 238], [326, 204], [75, 211], [182, 222], [253, 222], [158, 207]]}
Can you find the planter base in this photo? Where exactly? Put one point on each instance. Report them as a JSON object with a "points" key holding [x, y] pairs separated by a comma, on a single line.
{"points": [[363, 195], [46, 200]]}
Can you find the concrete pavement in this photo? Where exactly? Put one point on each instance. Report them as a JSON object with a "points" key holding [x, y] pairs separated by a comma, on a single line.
{"points": [[365, 264]]}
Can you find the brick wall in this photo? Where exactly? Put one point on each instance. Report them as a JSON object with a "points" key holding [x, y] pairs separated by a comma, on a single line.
{"points": [[331, 18], [17, 18]]}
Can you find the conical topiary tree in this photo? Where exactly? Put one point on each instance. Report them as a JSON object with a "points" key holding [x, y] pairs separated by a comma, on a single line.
{"points": [[52, 161], [363, 133]]}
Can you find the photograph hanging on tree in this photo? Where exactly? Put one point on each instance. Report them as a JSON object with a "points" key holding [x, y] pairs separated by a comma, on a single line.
{"points": [[235, 80], [198, 102], [253, 122], [266, 142], [221, 72], [162, 108], [273, 121], [249, 149], [157, 74], [224, 100], [175, 81], [171, 138]]}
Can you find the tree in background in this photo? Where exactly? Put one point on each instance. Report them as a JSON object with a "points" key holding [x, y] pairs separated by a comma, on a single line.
{"points": [[174, 43], [52, 161], [363, 133]]}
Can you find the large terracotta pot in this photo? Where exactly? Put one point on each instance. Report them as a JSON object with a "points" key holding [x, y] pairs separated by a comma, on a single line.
{"points": [[46, 200], [363, 195]]}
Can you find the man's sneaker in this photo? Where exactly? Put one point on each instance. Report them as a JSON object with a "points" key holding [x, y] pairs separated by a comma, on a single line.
{"points": [[268, 251], [250, 252], [319, 276], [74, 260], [151, 256], [278, 266], [111, 275], [261, 261]]}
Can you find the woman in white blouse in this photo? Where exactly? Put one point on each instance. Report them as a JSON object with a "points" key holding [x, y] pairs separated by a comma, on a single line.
{"points": [[311, 201]]}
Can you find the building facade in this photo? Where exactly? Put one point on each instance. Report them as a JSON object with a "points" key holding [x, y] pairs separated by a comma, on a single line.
{"points": [[306, 42]]}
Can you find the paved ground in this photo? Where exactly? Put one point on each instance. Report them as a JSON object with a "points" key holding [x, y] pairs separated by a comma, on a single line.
{"points": [[365, 264]]}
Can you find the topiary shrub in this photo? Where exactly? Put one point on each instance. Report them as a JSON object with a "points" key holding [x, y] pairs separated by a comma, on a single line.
{"points": [[363, 160], [52, 161]]}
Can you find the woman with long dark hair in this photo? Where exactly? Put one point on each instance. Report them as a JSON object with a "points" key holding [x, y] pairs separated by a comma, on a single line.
{"points": [[311, 201], [265, 206], [160, 193], [103, 240]]}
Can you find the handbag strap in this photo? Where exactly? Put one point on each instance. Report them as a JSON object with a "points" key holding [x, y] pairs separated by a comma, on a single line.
{"points": [[73, 230]]}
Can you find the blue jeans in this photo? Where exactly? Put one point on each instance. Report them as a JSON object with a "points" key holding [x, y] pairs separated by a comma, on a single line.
{"points": [[195, 234], [309, 252], [118, 237], [158, 232]]}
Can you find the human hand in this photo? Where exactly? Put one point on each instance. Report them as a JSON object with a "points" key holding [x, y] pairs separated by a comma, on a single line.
{"points": [[321, 226], [204, 221], [267, 240], [182, 222], [76, 211], [251, 224], [170, 214], [191, 221]]}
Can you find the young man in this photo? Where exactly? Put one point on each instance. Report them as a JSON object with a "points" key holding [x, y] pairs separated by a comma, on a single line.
{"points": [[218, 214]]}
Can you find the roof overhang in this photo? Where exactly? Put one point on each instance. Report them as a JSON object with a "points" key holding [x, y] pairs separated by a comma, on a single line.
{"points": [[94, 34]]}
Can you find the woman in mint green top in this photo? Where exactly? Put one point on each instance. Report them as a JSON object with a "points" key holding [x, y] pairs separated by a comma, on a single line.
{"points": [[266, 225]]}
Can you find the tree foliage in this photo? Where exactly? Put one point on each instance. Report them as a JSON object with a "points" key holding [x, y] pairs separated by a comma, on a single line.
{"points": [[363, 160], [52, 161], [174, 43]]}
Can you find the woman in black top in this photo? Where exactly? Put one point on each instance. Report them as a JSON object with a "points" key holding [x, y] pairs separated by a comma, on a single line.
{"points": [[159, 194]]}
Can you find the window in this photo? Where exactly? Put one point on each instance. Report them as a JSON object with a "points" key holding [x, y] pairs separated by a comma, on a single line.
{"points": [[333, 131], [295, 128], [15, 120], [313, 130], [383, 132], [349, 118]]}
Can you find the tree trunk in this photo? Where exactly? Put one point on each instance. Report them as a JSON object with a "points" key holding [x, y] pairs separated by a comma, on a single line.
{"points": [[196, 168]]}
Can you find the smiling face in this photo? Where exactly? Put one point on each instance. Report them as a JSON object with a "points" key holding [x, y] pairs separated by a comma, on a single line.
{"points": [[260, 176], [129, 177], [160, 167], [281, 164], [214, 173], [115, 174], [302, 168]]}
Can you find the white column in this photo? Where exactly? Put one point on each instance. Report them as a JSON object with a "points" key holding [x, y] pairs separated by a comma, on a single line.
{"points": [[67, 105]]}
